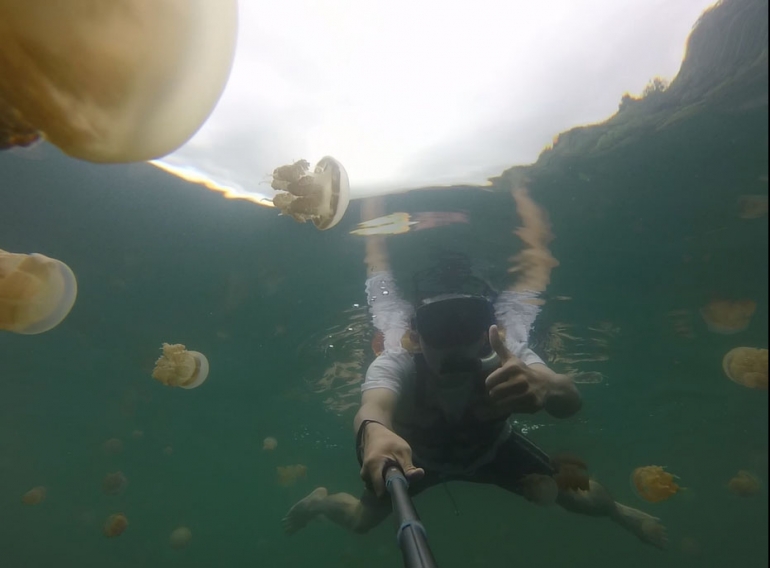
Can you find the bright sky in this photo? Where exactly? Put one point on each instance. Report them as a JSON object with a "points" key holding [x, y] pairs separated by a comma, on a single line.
{"points": [[412, 93]]}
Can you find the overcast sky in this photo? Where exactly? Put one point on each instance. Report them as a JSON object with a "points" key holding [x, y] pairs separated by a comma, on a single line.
{"points": [[410, 93]]}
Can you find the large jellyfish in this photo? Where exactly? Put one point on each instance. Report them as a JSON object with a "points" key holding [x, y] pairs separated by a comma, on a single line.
{"points": [[116, 81], [178, 367], [728, 316], [746, 366], [321, 196], [36, 292], [652, 483]]}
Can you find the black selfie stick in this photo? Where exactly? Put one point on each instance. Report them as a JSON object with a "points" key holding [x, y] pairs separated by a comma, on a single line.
{"points": [[411, 534]]}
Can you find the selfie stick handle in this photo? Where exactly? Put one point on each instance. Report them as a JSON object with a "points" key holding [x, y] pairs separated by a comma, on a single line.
{"points": [[411, 534]]}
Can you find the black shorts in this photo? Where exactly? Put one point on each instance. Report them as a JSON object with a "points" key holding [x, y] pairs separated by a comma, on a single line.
{"points": [[515, 458]]}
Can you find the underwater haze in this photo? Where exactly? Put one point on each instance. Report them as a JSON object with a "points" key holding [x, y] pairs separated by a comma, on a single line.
{"points": [[653, 251]]}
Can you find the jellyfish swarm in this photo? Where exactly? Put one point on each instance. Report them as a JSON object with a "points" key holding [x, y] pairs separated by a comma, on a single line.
{"points": [[180, 537], [36, 292], [321, 196], [178, 367], [727, 317], [269, 444], [746, 366], [744, 484], [114, 483], [117, 81], [289, 474], [652, 483], [34, 496], [115, 525]]}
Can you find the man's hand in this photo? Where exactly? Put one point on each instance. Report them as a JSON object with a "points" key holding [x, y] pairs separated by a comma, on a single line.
{"points": [[514, 387], [381, 446]]}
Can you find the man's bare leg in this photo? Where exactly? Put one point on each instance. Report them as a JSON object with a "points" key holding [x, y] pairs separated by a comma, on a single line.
{"points": [[357, 515], [597, 502]]}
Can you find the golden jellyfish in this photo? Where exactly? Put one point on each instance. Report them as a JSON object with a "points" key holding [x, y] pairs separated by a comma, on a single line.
{"points": [[113, 446], [178, 367], [289, 474], [114, 483], [168, 450], [744, 484], [652, 483], [752, 206], [269, 444], [539, 489], [321, 196], [34, 496], [119, 81], [571, 473], [36, 292], [180, 537], [727, 317], [115, 525], [746, 366], [137, 435]]}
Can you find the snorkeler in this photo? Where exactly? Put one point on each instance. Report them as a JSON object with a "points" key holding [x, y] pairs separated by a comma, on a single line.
{"points": [[441, 411]]}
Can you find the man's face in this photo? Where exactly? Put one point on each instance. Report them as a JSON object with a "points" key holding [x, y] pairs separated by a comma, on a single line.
{"points": [[441, 360]]}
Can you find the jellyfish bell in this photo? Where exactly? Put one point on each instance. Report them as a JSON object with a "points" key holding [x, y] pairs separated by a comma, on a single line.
{"points": [[653, 484], [178, 367], [115, 525], [321, 196], [180, 537], [744, 484], [117, 81], [34, 496], [727, 317], [747, 366], [269, 443], [36, 292]]}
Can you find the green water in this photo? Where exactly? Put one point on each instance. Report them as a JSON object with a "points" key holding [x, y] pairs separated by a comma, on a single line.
{"points": [[651, 227]]}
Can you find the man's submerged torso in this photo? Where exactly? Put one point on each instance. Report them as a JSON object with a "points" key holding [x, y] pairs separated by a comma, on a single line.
{"points": [[441, 424]]}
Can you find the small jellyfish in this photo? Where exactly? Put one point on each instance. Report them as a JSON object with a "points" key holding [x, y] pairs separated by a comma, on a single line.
{"points": [[321, 196], [115, 525], [113, 446], [652, 483], [727, 317], [180, 537], [752, 206], [269, 443], [178, 367], [539, 489], [690, 546], [289, 474], [137, 435], [168, 450], [746, 366], [114, 483], [744, 484], [571, 473], [34, 496], [129, 81], [36, 292]]}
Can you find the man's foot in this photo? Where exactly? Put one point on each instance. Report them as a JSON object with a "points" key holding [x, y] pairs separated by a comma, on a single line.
{"points": [[646, 527], [303, 512]]}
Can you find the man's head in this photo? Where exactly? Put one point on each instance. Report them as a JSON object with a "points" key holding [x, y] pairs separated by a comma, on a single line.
{"points": [[453, 331]]}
